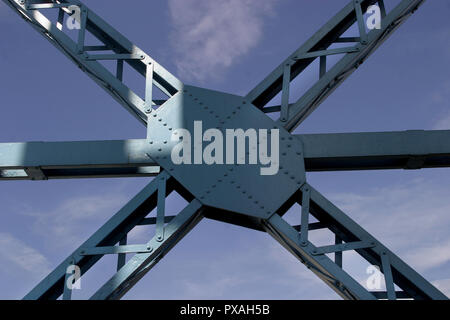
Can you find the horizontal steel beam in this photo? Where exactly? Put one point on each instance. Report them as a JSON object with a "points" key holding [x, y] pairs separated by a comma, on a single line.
{"points": [[75, 159], [415, 149], [127, 158]]}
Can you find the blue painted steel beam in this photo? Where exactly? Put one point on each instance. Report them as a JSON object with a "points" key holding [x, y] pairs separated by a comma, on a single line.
{"points": [[76, 159], [413, 149], [142, 263], [108, 37], [317, 47], [357, 239], [108, 235]]}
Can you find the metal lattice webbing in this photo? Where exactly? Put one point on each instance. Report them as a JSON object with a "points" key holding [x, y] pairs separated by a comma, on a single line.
{"points": [[355, 239], [317, 47], [112, 46], [112, 232], [141, 263]]}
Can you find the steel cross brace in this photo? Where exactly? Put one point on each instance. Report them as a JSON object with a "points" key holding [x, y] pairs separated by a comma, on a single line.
{"points": [[252, 201]]}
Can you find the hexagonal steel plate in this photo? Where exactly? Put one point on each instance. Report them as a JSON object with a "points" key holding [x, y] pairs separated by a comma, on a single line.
{"points": [[237, 188]]}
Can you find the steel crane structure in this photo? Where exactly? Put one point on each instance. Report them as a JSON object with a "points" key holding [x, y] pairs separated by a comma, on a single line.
{"points": [[232, 193]]}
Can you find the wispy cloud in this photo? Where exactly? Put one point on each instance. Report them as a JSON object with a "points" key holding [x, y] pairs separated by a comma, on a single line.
{"points": [[21, 266], [15, 255], [209, 36], [441, 97], [411, 219], [69, 220], [443, 285]]}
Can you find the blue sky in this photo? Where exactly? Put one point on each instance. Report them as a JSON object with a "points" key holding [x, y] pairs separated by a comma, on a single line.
{"points": [[229, 46]]}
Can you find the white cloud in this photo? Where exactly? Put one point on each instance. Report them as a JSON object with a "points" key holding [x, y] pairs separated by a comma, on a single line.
{"points": [[443, 123], [440, 98], [411, 219], [67, 224], [443, 285], [210, 36], [431, 256], [15, 254]]}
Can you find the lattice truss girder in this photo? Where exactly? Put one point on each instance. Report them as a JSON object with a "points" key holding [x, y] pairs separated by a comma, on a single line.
{"points": [[319, 152]]}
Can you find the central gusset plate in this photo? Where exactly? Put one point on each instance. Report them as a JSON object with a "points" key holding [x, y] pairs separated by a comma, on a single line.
{"points": [[254, 178]]}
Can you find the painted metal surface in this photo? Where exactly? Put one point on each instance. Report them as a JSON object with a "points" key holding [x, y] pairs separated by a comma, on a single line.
{"points": [[233, 193]]}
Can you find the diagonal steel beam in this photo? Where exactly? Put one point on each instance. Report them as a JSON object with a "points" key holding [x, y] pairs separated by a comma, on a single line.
{"points": [[141, 263], [319, 47], [356, 239], [116, 46], [108, 235]]}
